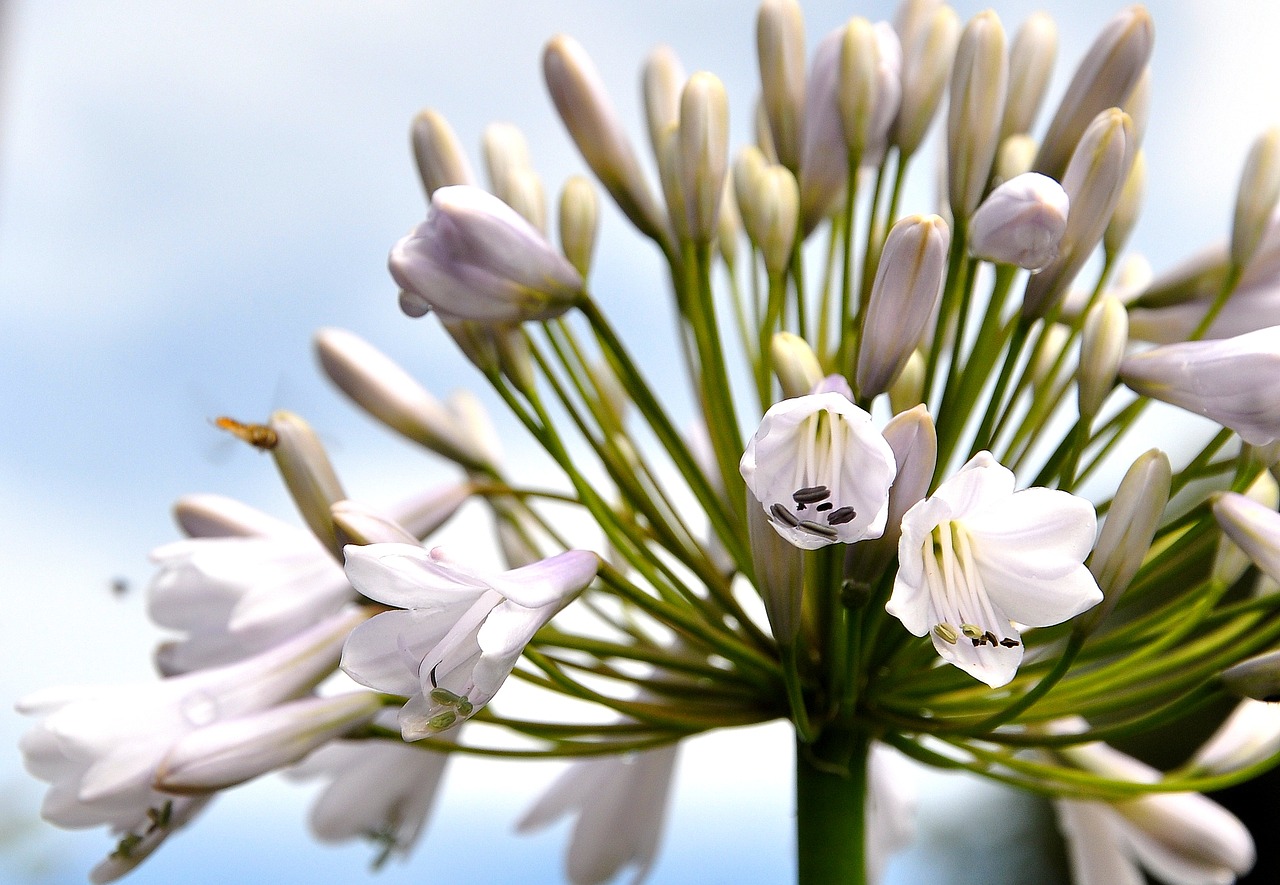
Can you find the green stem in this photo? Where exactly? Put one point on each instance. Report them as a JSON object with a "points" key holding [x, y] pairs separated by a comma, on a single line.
{"points": [[831, 801]]}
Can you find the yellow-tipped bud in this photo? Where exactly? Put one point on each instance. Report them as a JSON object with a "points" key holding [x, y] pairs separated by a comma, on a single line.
{"points": [[781, 53], [856, 90], [1257, 197], [979, 79], [661, 83], [579, 222], [304, 466], [926, 62], [795, 363], [438, 153]]}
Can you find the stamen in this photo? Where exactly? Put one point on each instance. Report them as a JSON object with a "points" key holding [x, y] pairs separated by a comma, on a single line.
{"points": [[783, 515], [972, 631], [825, 506], [819, 529], [441, 721], [946, 633], [811, 494], [1010, 643], [841, 516]]}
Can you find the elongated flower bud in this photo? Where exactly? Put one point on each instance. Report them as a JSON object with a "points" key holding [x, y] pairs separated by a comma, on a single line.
{"points": [[231, 752], [1014, 158], [360, 525], [908, 390], [438, 153], [795, 364], [904, 296], [1106, 332], [1257, 678], [390, 394], [1252, 523], [1031, 57], [779, 568], [1127, 209], [1234, 381], [669, 174], [1256, 199], [781, 52], [775, 206], [1094, 181], [304, 466], [729, 226], [926, 62], [1021, 222], [856, 85], [1105, 78], [579, 222], [704, 152], [476, 258], [1126, 535], [979, 79], [662, 81], [580, 98], [512, 178]]}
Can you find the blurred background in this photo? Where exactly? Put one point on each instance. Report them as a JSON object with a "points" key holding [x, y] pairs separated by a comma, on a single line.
{"points": [[188, 190]]}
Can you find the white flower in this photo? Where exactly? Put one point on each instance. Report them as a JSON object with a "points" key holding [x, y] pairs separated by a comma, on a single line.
{"points": [[976, 557], [378, 789], [476, 258], [820, 470], [1180, 838], [99, 747], [461, 632], [1234, 381], [621, 806]]}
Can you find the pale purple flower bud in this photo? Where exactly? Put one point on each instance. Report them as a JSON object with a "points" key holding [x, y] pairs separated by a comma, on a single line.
{"points": [[926, 61], [308, 475], [1094, 182], [979, 78], [1256, 199], [439, 155], [1021, 222], [1105, 79], [661, 83], [1253, 525], [584, 106], [217, 516], [1031, 57], [771, 223], [476, 258], [795, 364], [824, 162], [233, 751], [780, 51], [670, 177], [512, 178], [579, 222], [820, 471], [359, 524], [703, 152], [856, 85], [1126, 534], [904, 296], [1102, 344], [457, 430], [1206, 377]]}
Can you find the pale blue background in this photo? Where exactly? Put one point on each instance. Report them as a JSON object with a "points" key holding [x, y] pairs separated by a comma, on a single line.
{"points": [[187, 190]]}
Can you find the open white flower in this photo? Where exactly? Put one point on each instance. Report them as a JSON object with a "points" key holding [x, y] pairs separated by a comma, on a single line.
{"points": [[621, 806], [976, 557], [820, 470], [461, 632]]}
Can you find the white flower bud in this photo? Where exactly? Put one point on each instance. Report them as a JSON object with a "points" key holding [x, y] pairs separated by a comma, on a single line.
{"points": [[704, 152], [926, 62], [1105, 79], [775, 208], [661, 83], [781, 52], [1102, 343], [859, 63], [579, 222], [1031, 57], [438, 153], [304, 466], [779, 572], [1256, 199], [476, 258], [1257, 678], [729, 225], [580, 99], [1016, 154], [979, 78], [1021, 222], [1251, 527], [904, 296], [908, 389], [512, 178], [795, 364]]}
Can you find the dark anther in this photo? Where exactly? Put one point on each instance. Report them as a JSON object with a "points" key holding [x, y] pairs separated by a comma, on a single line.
{"points": [[824, 506], [818, 528], [992, 638], [782, 514], [1009, 643], [841, 516], [810, 494], [432, 675]]}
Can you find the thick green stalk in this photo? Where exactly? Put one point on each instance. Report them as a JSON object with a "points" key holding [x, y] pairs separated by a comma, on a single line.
{"points": [[831, 803]]}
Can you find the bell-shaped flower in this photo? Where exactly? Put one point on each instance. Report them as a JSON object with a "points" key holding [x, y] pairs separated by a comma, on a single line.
{"points": [[977, 559], [460, 632], [99, 747], [1177, 837], [1021, 222], [378, 790], [620, 805], [476, 258], [237, 595], [820, 470], [1234, 381]]}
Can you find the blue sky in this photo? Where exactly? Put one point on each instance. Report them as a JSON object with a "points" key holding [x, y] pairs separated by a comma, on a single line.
{"points": [[188, 190]]}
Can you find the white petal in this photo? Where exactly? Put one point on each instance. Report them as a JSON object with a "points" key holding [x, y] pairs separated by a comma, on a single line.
{"points": [[1095, 849], [408, 576]]}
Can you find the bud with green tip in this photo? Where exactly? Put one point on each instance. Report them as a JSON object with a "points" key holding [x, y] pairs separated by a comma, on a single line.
{"points": [[579, 222], [438, 153], [308, 475], [926, 62], [512, 178], [795, 364]]}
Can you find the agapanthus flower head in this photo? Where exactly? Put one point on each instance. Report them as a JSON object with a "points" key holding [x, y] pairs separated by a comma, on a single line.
{"points": [[476, 258], [979, 561], [820, 470], [459, 632]]}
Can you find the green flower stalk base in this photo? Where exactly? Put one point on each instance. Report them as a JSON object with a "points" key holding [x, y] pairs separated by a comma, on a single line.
{"points": [[831, 806]]}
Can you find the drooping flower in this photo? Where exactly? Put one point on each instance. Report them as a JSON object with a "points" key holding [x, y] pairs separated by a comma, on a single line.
{"points": [[1181, 838], [1234, 381], [977, 559], [620, 803], [820, 470], [99, 747], [461, 632], [476, 258]]}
